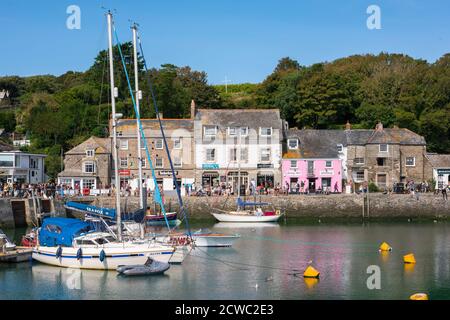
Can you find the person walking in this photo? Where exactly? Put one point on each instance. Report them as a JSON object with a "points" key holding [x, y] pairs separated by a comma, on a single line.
{"points": [[444, 193]]}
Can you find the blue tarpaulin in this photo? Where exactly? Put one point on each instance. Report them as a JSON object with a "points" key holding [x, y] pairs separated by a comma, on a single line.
{"points": [[61, 231]]}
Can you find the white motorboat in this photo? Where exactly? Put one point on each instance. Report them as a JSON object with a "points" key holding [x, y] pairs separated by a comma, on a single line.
{"points": [[206, 238], [5, 243]]}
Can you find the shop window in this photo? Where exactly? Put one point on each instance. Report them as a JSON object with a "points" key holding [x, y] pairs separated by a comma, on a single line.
{"points": [[293, 143]]}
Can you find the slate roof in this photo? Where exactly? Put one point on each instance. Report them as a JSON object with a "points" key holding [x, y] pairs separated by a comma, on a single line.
{"points": [[252, 118], [168, 124], [5, 147], [323, 143], [439, 160], [100, 145]]}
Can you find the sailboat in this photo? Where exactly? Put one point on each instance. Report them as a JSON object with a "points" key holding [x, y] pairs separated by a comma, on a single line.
{"points": [[247, 211], [181, 242], [74, 243]]}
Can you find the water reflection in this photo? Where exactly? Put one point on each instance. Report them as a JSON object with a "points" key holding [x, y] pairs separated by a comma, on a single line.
{"points": [[266, 263]]}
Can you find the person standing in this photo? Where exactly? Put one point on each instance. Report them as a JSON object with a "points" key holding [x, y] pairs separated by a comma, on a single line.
{"points": [[444, 193]]}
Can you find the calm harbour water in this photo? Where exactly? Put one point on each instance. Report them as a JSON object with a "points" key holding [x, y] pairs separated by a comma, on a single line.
{"points": [[267, 256]]}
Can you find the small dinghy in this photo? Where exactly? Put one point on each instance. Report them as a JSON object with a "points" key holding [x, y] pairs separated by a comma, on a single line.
{"points": [[149, 268]]}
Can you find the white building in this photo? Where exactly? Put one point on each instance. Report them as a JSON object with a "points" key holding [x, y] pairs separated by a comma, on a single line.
{"points": [[22, 167], [231, 140], [440, 164]]}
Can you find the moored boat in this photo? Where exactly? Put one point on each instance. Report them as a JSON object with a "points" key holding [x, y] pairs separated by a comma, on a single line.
{"points": [[261, 212], [206, 238]]}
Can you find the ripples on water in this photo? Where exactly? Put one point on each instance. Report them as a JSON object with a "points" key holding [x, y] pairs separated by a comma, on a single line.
{"points": [[263, 265]]}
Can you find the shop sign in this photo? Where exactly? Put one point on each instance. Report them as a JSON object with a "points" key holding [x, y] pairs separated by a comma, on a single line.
{"points": [[210, 166], [264, 165], [166, 173], [326, 172], [124, 172], [443, 171]]}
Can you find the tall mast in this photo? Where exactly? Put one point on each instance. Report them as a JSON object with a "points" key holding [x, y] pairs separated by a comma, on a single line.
{"points": [[137, 92], [114, 127]]}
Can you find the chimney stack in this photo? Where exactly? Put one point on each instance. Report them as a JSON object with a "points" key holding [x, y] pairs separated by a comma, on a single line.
{"points": [[348, 126], [160, 115], [379, 126], [193, 109]]}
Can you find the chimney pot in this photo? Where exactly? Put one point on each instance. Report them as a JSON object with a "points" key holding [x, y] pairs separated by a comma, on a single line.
{"points": [[348, 126]]}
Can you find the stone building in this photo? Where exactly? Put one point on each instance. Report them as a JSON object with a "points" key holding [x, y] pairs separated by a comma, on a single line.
{"points": [[229, 141], [179, 135], [88, 165], [384, 156]]}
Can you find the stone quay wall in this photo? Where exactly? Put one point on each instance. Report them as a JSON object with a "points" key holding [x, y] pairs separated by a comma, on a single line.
{"points": [[381, 206]]}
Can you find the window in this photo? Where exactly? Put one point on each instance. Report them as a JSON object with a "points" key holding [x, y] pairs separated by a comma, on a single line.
{"points": [[358, 161], [360, 176], [383, 148], [123, 144], [158, 143], [210, 131], [381, 180], [177, 162], [340, 148], [381, 161], [233, 131], [143, 144], [7, 160], [90, 152], [233, 154], [33, 163], [265, 132], [124, 162], [177, 143], [328, 164], [144, 162], [89, 167], [265, 154], [159, 163], [293, 163], [89, 183], [292, 143], [410, 161], [244, 154], [210, 154]]}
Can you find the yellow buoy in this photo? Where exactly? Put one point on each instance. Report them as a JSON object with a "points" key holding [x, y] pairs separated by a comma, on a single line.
{"points": [[311, 282], [409, 258], [419, 296], [385, 247], [310, 272]]}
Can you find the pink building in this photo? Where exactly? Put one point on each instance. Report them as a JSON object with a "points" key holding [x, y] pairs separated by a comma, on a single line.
{"points": [[311, 162]]}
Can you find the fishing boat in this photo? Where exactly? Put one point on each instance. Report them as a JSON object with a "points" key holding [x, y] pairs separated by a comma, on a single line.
{"points": [[248, 212], [73, 243], [5, 243], [160, 219], [206, 238]]}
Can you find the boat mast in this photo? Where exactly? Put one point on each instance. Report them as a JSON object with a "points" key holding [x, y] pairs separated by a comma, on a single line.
{"points": [[114, 127], [138, 97]]}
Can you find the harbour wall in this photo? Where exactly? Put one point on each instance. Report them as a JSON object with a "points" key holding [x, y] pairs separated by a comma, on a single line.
{"points": [[334, 206], [22, 212]]}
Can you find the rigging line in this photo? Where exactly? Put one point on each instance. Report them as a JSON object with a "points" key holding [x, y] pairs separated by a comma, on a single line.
{"points": [[183, 210], [101, 89], [294, 270], [138, 117]]}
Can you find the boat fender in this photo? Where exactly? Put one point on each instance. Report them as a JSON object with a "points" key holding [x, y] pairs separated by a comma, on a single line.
{"points": [[102, 255], [278, 212], [59, 252], [79, 254]]}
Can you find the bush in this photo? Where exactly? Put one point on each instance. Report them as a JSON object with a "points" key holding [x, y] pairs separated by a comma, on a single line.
{"points": [[373, 187]]}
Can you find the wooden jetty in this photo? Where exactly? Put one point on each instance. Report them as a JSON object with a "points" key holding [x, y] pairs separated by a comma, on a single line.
{"points": [[20, 254]]}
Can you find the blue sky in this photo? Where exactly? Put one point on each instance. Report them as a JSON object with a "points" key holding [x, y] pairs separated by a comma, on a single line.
{"points": [[242, 40]]}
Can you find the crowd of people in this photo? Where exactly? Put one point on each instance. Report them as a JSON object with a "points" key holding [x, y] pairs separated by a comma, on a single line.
{"points": [[24, 190]]}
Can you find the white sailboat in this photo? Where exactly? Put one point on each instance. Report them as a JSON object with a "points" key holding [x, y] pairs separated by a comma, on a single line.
{"points": [[71, 243]]}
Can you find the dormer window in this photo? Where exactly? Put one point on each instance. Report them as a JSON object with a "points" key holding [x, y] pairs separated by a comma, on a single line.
{"points": [[210, 131], [90, 153], [340, 148], [293, 143], [233, 131], [265, 132], [383, 148]]}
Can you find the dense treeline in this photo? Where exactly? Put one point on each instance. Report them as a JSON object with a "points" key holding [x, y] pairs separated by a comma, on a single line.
{"points": [[60, 112]]}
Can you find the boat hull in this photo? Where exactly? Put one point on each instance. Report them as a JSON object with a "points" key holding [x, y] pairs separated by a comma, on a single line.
{"points": [[214, 240], [90, 258], [224, 217], [181, 252]]}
